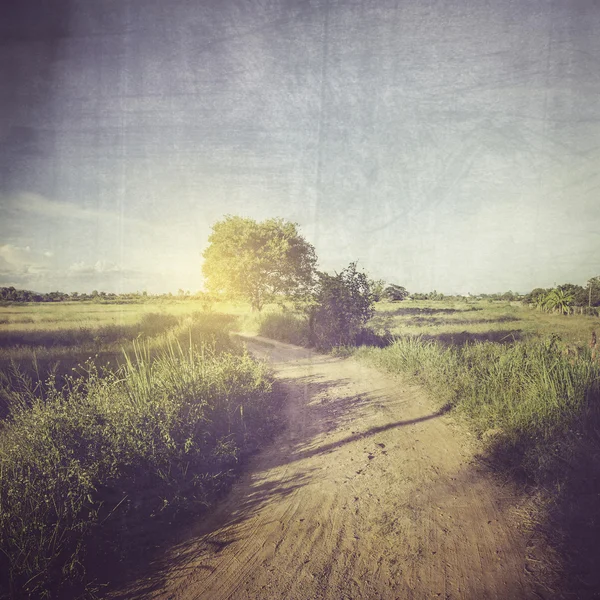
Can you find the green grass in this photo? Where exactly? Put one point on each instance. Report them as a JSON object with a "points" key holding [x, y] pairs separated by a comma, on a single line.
{"points": [[534, 394], [286, 327], [164, 428], [457, 322], [526, 382], [34, 355], [166, 422], [527, 376]]}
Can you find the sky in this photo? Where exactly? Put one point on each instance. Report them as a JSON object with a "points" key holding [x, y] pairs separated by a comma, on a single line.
{"points": [[444, 144]]}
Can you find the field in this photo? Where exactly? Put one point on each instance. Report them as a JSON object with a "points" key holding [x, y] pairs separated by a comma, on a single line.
{"points": [[112, 416], [460, 322], [527, 385], [80, 381]]}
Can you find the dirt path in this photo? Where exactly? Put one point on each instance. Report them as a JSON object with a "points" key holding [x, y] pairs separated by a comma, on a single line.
{"points": [[368, 493]]}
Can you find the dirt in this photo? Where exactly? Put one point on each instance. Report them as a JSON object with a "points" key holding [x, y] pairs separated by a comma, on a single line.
{"points": [[369, 492]]}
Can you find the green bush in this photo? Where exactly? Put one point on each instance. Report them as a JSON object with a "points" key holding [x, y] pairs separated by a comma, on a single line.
{"points": [[341, 306], [285, 327]]}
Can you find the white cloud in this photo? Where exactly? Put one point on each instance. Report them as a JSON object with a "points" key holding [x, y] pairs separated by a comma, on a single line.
{"points": [[66, 212], [100, 266], [35, 203], [21, 259], [80, 268], [106, 266]]}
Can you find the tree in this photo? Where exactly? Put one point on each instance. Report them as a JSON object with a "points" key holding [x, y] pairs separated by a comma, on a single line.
{"points": [[395, 293], [579, 294], [593, 291], [342, 304], [558, 300], [509, 296], [258, 261], [377, 289], [534, 296]]}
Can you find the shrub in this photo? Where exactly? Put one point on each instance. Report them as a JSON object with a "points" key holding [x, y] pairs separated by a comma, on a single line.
{"points": [[286, 327], [342, 305]]}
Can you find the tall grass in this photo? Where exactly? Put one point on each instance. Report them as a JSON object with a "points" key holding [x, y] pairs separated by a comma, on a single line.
{"points": [[164, 429], [37, 355], [286, 327], [536, 396]]}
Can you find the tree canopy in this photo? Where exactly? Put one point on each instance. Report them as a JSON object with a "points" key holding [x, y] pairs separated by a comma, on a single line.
{"points": [[395, 293], [257, 261]]}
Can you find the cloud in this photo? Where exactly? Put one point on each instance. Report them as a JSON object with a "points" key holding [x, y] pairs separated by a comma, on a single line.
{"points": [[23, 266], [100, 266], [37, 204], [21, 259], [29, 204]]}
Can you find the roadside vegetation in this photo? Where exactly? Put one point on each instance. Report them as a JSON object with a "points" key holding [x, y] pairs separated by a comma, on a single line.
{"points": [[88, 455]]}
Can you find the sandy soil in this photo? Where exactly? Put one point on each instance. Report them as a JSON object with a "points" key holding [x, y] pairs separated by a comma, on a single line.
{"points": [[368, 493]]}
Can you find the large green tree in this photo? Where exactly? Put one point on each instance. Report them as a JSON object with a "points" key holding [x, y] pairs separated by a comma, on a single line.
{"points": [[258, 261]]}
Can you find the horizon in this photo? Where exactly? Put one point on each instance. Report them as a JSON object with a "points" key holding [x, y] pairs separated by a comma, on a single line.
{"points": [[188, 293], [440, 147]]}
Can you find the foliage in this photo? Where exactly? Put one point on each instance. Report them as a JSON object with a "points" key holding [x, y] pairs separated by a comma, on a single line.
{"points": [[395, 293], [429, 296], [341, 306], [578, 294], [377, 289], [565, 296], [558, 300], [593, 291], [534, 296], [286, 327], [258, 261], [164, 430]]}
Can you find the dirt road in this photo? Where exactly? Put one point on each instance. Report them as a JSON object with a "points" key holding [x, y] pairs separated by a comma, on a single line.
{"points": [[368, 493]]}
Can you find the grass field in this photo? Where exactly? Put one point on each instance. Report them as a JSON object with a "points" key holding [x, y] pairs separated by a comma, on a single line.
{"points": [[459, 322], [111, 416], [526, 382]]}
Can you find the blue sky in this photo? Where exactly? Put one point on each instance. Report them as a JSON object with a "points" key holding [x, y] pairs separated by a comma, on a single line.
{"points": [[450, 145]]}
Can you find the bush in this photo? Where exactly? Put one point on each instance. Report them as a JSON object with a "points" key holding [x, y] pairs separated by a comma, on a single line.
{"points": [[343, 303], [285, 327]]}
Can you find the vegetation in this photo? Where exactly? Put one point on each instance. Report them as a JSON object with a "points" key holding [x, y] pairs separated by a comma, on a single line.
{"points": [[258, 262], [567, 298], [141, 407], [161, 432], [395, 293], [10, 295], [340, 307], [334, 314], [536, 396]]}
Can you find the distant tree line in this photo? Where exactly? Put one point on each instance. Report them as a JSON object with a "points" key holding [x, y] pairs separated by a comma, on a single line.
{"points": [[566, 298], [11, 294]]}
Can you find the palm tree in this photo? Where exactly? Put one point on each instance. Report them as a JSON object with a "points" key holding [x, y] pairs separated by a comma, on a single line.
{"points": [[540, 301], [559, 300]]}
